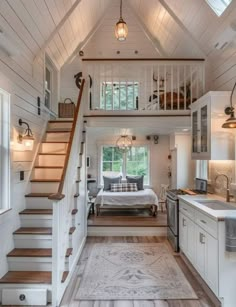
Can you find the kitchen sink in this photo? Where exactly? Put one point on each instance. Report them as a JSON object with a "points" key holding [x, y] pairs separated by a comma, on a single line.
{"points": [[216, 204]]}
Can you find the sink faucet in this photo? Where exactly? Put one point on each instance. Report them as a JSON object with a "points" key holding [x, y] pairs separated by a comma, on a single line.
{"points": [[228, 196]]}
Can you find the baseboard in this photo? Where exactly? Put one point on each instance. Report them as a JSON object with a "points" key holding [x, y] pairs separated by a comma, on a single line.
{"points": [[127, 231]]}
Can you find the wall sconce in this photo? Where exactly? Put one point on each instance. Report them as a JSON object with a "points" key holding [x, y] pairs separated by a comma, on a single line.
{"points": [[231, 121], [27, 140]]}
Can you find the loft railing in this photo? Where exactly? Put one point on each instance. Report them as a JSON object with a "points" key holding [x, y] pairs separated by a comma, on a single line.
{"points": [[63, 204], [157, 85]]}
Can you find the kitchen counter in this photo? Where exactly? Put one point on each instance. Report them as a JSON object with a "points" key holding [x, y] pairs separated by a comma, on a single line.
{"points": [[218, 215]]}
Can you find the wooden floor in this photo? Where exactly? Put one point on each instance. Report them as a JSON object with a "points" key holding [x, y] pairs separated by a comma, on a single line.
{"points": [[128, 218], [206, 299]]}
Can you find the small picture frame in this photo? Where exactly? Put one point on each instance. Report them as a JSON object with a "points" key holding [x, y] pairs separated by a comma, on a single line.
{"points": [[88, 161]]}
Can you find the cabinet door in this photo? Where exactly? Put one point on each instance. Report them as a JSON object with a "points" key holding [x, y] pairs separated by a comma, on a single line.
{"points": [[195, 130], [204, 142], [183, 233], [200, 250], [191, 243], [211, 263]]}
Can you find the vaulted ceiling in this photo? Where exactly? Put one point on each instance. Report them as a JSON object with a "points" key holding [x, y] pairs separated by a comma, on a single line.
{"points": [[157, 28]]}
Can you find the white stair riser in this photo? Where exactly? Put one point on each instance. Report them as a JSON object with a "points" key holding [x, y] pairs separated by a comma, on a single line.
{"points": [[44, 187], [32, 263], [38, 203], [33, 241], [36, 220], [53, 147], [59, 125], [47, 160], [61, 137], [47, 173]]}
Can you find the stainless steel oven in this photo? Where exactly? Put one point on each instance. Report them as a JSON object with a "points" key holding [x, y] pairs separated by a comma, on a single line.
{"points": [[172, 203]]}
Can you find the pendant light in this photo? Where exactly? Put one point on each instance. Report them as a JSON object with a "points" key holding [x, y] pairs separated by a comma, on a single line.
{"points": [[231, 121], [121, 29], [124, 143]]}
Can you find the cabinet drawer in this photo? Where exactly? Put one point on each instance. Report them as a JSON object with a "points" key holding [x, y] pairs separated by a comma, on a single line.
{"points": [[208, 224], [24, 297], [187, 210]]}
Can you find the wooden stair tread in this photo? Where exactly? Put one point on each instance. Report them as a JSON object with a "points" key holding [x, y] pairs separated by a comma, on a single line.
{"points": [[64, 276], [38, 195], [30, 252], [35, 252], [37, 211], [33, 231], [51, 154], [53, 167], [61, 121], [27, 277], [54, 142], [45, 180], [38, 231], [59, 131]]}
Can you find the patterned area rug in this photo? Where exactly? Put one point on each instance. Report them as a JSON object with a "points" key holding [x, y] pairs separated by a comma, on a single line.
{"points": [[133, 271]]}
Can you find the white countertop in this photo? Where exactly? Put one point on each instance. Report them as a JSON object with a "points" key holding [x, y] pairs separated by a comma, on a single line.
{"points": [[215, 214]]}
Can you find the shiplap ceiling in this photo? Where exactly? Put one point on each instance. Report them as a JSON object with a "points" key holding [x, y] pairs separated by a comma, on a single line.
{"points": [[157, 28]]}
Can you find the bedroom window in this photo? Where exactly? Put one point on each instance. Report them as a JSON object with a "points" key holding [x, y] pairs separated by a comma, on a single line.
{"points": [[120, 95], [133, 163]]}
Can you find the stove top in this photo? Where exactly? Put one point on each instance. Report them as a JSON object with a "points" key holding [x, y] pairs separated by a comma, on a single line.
{"points": [[175, 192]]}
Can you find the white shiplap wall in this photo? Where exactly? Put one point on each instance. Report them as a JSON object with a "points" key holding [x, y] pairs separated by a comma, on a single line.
{"points": [[24, 86]]}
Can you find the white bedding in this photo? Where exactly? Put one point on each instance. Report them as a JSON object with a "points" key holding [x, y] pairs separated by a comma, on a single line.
{"points": [[142, 197]]}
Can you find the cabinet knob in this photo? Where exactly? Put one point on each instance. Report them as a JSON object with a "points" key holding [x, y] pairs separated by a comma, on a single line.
{"points": [[204, 222], [22, 297], [184, 222]]}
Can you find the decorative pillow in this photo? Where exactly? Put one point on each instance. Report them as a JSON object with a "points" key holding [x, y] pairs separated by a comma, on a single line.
{"points": [[136, 179], [124, 187], [107, 181]]}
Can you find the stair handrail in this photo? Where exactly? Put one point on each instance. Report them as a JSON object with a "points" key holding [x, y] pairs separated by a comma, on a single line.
{"points": [[59, 195]]}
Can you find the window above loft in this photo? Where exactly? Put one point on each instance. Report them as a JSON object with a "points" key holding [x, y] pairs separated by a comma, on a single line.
{"points": [[218, 6], [119, 95]]}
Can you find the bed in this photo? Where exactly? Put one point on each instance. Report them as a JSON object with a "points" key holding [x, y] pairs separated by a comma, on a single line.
{"points": [[138, 199]]}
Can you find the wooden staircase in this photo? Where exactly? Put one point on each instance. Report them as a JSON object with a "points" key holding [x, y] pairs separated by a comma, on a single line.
{"points": [[30, 262]]}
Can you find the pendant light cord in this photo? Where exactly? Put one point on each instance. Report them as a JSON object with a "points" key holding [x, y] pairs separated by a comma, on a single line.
{"points": [[120, 8]]}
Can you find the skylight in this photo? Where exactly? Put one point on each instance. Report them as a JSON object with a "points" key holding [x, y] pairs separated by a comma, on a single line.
{"points": [[218, 6]]}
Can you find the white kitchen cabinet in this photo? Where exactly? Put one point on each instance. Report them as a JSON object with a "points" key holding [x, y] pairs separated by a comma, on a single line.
{"points": [[200, 238], [183, 239], [187, 233], [207, 132], [198, 244], [191, 250]]}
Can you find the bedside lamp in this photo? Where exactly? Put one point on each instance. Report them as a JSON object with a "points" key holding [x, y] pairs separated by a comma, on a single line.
{"points": [[27, 139]]}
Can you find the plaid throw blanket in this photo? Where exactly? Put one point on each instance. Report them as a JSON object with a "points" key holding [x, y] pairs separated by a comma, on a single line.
{"points": [[124, 187]]}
